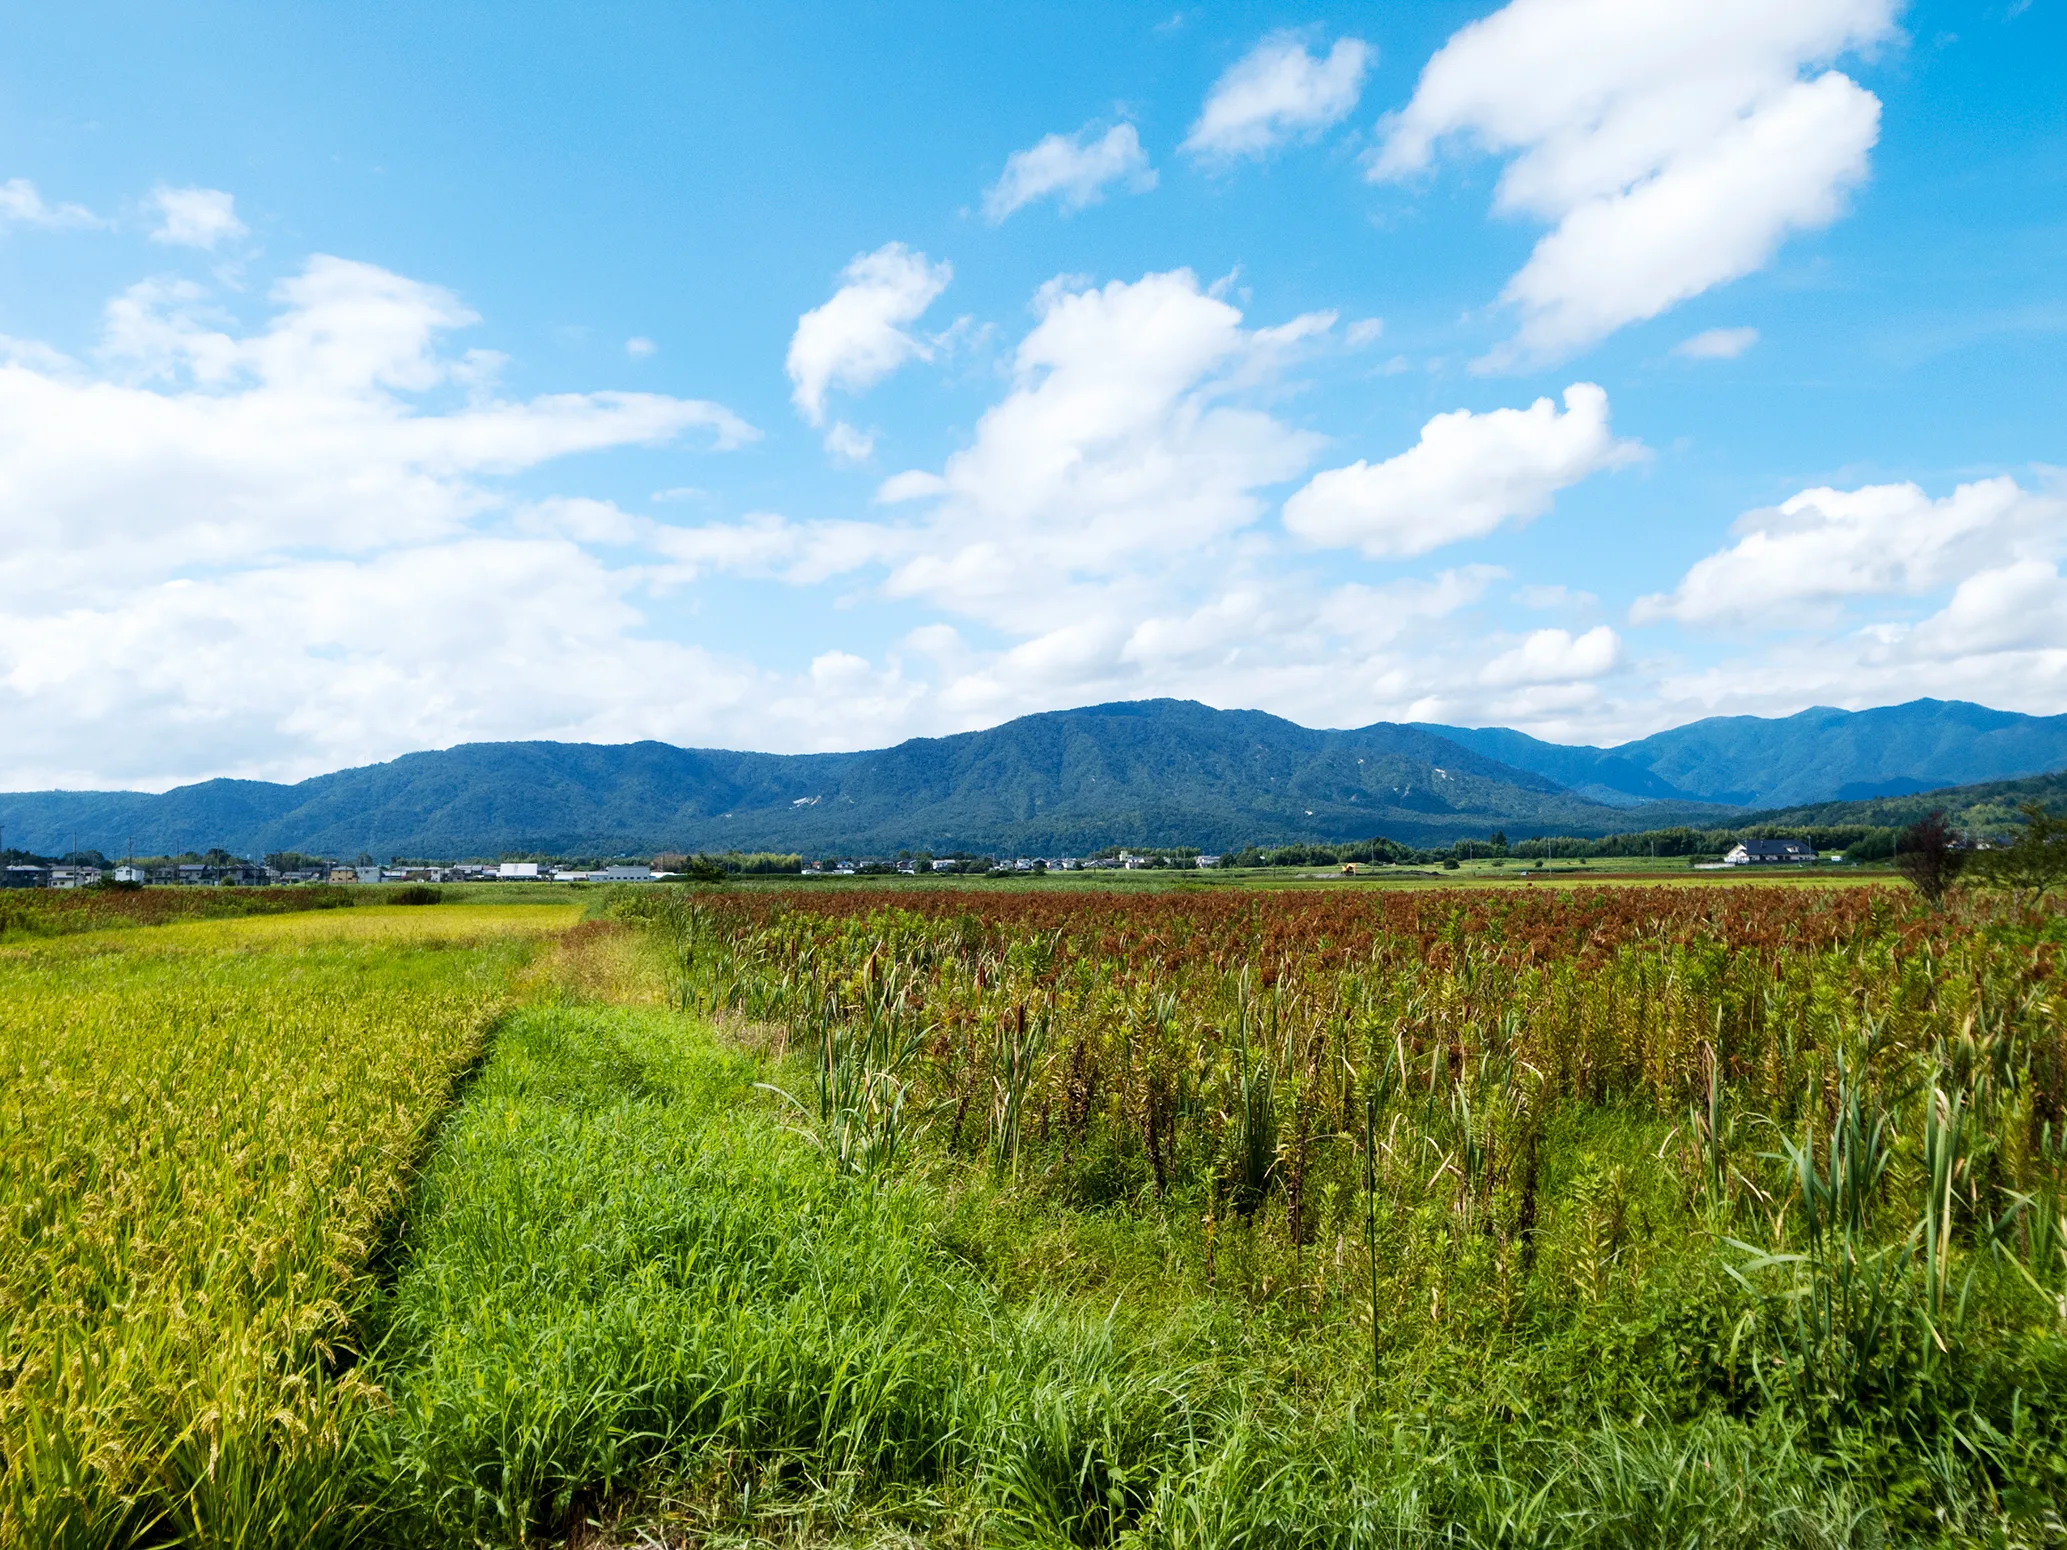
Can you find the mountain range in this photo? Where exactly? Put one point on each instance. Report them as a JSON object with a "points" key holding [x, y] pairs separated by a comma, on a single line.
{"points": [[1150, 772], [1818, 755]]}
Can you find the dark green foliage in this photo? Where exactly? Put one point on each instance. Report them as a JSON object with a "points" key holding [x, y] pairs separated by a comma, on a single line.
{"points": [[2033, 863], [412, 893], [1929, 855]]}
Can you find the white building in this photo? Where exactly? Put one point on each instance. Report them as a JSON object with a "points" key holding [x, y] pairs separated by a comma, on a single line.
{"points": [[1770, 853], [527, 870]]}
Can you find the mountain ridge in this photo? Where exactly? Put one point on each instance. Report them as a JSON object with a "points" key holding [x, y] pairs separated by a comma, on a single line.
{"points": [[1818, 754], [1146, 772]]}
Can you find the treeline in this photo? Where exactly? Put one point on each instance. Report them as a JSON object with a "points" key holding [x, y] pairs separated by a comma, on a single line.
{"points": [[1859, 842], [754, 863]]}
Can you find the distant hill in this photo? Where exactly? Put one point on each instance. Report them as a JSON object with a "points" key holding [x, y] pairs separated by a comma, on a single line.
{"points": [[1988, 807], [1150, 772], [1819, 755]]}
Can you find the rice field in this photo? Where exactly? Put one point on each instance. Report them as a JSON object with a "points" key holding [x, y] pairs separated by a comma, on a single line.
{"points": [[904, 1216], [205, 1130]]}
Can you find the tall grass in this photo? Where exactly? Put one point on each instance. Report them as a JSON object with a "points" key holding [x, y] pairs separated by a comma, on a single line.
{"points": [[633, 1291], [1756, 1159]]}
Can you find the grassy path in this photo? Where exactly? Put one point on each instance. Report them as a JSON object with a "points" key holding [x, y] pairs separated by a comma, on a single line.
{"points": [[634, 1299]]}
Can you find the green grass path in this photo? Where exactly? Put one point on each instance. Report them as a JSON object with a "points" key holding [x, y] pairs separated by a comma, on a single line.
{"points": [[628, 1283]]}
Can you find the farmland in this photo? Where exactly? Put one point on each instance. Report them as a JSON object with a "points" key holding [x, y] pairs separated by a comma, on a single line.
{"points": [[201, 1141], [1201, 1216]]}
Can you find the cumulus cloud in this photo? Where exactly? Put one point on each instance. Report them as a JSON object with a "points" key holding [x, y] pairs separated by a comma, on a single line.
{"points": [[1671, 147], [22, 204], [1371, 616], [1103, 526], [1796, 562], [275, 547], [1276, 93], [1467, 475], [209, 447], [1717, 344], [291, 546], [1555, 657], [316, 663], [2000, 639], [860, 336], [194, 217], [639, 347], [1074, 170], [1113, 444]]}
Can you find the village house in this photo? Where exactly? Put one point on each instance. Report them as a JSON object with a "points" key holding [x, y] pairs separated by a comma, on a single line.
{"points": [[1769, 853]]}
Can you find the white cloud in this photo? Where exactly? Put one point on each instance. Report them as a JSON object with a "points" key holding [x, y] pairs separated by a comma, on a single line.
{"points": [[286, 546], [1114, 445], [1377, 616], [1102, 526], [270, 550], [303, 665], [859, 337], [1467, 475], [21, 204], [639, 347], [766, 545], [1794, 564], [848, 445], [1555, 657], [209, 447], [2000, 639], [1717, 344], [1074, 170], [1672, 147], [1276, 93], [2019, 607], [194, 217]]}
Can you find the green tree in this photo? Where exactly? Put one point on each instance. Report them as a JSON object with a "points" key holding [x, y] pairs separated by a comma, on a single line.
{"points": [[2032, 863], [1930, 857], [707, 869]]}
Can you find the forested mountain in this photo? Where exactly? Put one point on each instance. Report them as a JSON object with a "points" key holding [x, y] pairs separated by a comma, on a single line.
{"points": [[1151, 772], [1819, 755], [1148, 772], [1988, 807]]}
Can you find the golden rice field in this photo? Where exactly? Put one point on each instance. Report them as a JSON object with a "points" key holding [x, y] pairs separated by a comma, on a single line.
{"points": [[204, 1128]]}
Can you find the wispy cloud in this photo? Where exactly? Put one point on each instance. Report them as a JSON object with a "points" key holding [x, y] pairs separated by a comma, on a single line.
{"points": [[1073, 170], [1277, 93]]}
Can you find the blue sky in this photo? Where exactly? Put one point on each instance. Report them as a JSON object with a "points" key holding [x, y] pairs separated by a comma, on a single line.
{"points": [[789, 377]]}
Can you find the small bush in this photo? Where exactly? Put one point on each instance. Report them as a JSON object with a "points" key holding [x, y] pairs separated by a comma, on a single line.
{"points": [[415, 893]]}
